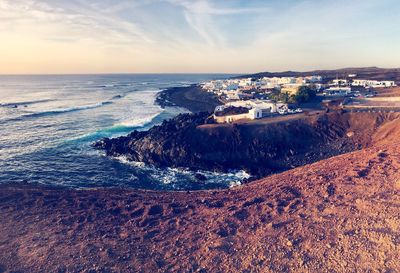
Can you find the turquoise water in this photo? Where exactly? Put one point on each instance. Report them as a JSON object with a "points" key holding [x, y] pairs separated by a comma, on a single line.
{"points": [[48, 123]]}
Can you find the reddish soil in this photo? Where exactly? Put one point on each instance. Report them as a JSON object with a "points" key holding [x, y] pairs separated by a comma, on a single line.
{"points": [[389, 92], [338, 215]]}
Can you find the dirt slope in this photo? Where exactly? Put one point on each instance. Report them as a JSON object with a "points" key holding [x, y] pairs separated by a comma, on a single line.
{"points": [[337, 215]]}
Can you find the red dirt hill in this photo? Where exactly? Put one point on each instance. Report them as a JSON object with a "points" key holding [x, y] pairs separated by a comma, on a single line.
{"points": [[337, 215]]}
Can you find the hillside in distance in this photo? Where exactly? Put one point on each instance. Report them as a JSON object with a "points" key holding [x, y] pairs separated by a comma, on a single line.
{"points": [[373, 73]]}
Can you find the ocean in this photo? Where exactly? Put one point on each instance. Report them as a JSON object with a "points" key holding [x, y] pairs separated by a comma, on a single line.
{"points": [[48, 123]]}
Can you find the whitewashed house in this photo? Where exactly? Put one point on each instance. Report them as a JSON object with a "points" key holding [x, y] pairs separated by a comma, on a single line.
{"points": [[373, 83], [337, 91], [256, 109], [339, 82]]}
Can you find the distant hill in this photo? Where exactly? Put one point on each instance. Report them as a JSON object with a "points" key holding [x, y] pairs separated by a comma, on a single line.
{"points": [[373, 73]]}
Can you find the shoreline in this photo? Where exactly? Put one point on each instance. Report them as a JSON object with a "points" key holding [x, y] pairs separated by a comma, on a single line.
{"points": [[192, 98]]}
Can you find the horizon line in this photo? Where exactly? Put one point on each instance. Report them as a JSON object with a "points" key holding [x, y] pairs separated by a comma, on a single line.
{"points": [[123, 73], [194, 73]]}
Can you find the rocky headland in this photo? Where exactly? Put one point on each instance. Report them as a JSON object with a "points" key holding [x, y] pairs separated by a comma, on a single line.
{"points": [[192, 98], [190, 141]]}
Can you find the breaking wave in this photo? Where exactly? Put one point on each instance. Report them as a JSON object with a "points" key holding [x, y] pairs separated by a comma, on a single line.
{"points": [[21, 103], [68, 110], [119, 128], [56, 112]]}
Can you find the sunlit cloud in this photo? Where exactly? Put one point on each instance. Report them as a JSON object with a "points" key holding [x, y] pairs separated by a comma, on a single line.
{"points": [[59, 36]]}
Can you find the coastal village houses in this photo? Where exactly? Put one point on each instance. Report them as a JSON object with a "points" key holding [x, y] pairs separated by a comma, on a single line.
{"points": [[373, 83], [251, 96]]}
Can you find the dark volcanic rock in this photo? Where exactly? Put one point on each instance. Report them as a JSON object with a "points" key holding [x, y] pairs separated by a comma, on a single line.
{"points": [[161, 145], [190, 97], [200, 177], [258, 148]]}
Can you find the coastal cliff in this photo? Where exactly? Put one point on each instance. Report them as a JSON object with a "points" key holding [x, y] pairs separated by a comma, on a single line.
{"points": [[261, 149]]}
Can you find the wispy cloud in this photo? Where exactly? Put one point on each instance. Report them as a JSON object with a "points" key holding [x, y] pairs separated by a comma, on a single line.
{"points": [[204, 26], [197, 35], [208, 7], [76, 20], [202, 16]]}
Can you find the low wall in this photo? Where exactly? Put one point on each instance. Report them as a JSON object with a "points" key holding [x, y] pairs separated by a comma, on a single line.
{"points": [[232, 118]]}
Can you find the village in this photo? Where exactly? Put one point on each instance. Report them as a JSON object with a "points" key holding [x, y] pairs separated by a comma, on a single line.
{"points": [[250, 99]]}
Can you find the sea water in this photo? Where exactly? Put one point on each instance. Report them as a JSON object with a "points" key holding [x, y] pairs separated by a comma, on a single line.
{"points": [[48, 123]]}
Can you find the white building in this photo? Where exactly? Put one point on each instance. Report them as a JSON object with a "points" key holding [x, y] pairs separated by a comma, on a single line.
{"points": [[373, 83], [245, 82], [266, 106], [364, 83], [337, 91], [231, 86], [243, 85], [313, 79], [251, 115], [388, 83], [232, 95], [338, 82], [257, 109]]}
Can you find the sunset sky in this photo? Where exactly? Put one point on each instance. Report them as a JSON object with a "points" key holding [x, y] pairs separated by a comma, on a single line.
{"points": [[234, 36]]}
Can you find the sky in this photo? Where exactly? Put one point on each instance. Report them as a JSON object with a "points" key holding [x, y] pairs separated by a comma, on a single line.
{"points": [[196, 36]]}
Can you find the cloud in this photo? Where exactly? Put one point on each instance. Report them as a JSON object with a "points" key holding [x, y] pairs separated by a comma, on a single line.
{"points": [[199, 16], [20, 10], [196, 35], [75, 20], [207, 7]]}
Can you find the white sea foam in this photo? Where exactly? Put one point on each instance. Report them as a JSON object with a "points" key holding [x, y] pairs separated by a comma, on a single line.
{"points": [[138, 122], [173, 176], [125, 160], [118, 129]]}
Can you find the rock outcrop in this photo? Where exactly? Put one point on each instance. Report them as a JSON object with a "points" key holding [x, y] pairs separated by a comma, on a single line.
{"points": [[259, 148]]}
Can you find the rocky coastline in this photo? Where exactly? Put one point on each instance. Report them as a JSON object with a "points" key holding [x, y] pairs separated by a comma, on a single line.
{"points": [[191, 141], [192, 98]]}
